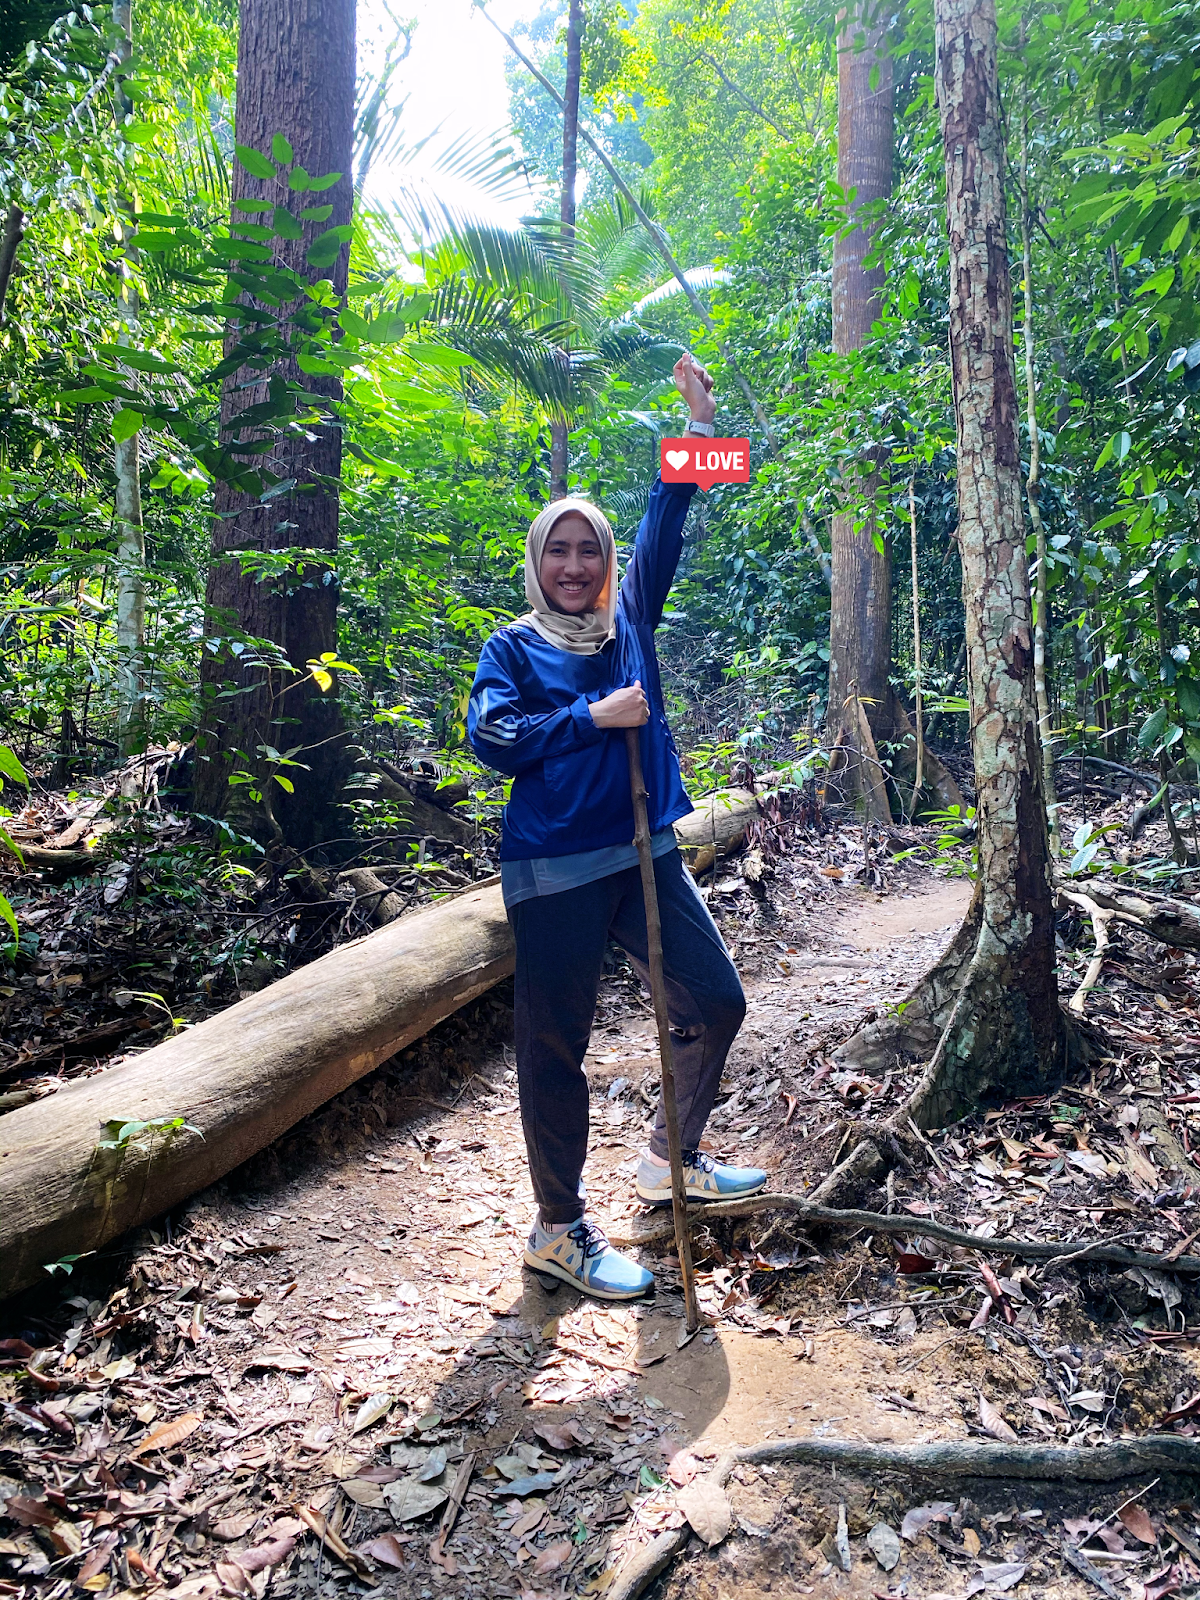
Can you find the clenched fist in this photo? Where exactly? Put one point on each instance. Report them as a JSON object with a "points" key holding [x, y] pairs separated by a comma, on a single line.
{"points": [[625, 708]]}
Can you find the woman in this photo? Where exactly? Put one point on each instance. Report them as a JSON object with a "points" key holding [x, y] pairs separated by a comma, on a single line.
{"points": [[552, 697]]}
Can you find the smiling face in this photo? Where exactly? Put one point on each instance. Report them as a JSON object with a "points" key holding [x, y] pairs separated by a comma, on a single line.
{"points": [[574, 566]]}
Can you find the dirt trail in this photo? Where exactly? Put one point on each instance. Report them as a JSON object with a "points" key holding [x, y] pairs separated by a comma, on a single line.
{"points": [[346, 1321]]}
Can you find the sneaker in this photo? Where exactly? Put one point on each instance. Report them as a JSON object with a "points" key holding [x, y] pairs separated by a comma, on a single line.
{"points": [[703, 1179], [583, 1257]]}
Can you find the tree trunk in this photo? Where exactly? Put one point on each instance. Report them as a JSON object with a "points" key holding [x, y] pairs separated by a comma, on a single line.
{"points": [[990, 1006], [1033, 485], [10, 243], [559, 431], [127, 500], [860, 614], [1006, 1031], [295, 78]]}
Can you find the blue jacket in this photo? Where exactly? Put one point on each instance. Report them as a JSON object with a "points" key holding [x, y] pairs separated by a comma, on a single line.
{"points": [[529, 714]]}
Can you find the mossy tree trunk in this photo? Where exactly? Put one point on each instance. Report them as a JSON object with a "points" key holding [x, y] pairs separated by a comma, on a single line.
{"points": [[1006, 1029]]}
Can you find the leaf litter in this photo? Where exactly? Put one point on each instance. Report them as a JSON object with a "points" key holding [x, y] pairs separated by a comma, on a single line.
{"points": [[335, 1382]]}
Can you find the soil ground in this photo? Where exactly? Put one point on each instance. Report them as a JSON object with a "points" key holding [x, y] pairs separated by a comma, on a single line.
{"points": [[343, 1329]]}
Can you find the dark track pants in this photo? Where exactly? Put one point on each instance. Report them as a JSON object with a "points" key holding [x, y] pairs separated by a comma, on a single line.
{"points": [[560, 958]]}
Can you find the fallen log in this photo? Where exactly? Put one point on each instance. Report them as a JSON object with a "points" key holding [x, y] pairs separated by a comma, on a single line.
{"points": [[241, 1079], [1171, 921], [244, 1077]]}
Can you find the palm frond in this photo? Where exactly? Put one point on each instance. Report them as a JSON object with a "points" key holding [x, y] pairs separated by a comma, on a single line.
{"points": [[698, 277]]}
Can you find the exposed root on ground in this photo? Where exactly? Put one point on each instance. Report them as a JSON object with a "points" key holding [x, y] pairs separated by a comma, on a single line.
{"points": [[970, 1459], [851, 1221]]}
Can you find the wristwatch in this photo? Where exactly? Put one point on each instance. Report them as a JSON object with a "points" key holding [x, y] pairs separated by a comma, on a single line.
{"points": [[704, 429]]}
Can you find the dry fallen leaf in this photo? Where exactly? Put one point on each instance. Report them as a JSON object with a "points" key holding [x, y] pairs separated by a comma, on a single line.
{"points": [[919, 1518], [387, 1548], [372, 1408], [227, 1529], [559, 1435], [551, 1558], [706, 1507], [884, 1545], [994, 1423], [1136, 1519], [168, 1435], [410, 1499], [363, 1494]]}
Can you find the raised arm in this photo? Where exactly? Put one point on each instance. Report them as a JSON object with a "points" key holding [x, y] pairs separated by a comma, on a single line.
{"points": [[651, 570]]}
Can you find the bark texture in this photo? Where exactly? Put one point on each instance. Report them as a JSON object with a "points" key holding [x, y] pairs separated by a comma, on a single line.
{"points": [[127, 498], [560, 431], [295, 77], [1006, 1031], [1033, 491], [10, 243], [860, 621]]}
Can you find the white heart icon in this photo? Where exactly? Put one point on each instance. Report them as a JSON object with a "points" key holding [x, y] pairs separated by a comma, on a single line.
{"points": [[678, 458]]}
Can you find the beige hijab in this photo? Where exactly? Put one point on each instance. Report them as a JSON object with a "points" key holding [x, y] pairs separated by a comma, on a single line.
{"points": [[588, 633]]}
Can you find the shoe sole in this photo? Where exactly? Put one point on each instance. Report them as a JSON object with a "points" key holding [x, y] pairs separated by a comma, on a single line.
{"points": [[703, 1199], [547, 1269]]}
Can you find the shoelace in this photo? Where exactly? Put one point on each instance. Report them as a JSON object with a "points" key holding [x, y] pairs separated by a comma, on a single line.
{"points": [[699, 1159], [589, 1236]]}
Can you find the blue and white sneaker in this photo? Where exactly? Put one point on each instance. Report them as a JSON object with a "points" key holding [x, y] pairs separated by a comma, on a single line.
{"points": [[703, 1179], [583, 1257]]}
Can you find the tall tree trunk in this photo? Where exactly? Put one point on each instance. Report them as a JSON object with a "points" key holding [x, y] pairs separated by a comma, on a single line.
{"points": [[1033, 484], [1006, 1030], [296, 78], [10, 243], [860, 612], [559, 431], [127, 500]]}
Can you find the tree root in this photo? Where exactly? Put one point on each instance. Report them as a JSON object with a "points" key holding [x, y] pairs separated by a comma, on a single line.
{"points": [[814, 1214], [960, 1459]]}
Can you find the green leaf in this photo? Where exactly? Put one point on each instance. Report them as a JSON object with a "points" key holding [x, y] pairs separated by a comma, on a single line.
{"points": [[281, 149], [327, 182], [285, 784], [11, 767], [299, 180], [1159, 282], [140, 133], [284, 224], [1152, 729], [317, 213], [82, 397], [140, 360], [241, 250], [252, 207], [6, 913], [255, 163], [327, 246], [125, 424]]}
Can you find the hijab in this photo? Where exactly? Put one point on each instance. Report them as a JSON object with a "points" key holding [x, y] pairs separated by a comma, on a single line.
{"points": [[588, 633]]}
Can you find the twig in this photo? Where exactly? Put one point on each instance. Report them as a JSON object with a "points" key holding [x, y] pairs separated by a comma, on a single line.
{"points": [[1109, 1250], [910, 1366], [1085, 1569], [453, 1506]]}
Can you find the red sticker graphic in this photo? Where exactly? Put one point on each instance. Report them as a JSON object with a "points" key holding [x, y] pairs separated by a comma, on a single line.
{"points": [[704, 461]]}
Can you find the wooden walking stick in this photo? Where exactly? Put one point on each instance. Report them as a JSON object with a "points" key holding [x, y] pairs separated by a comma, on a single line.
{"points": [[658, 993]]}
